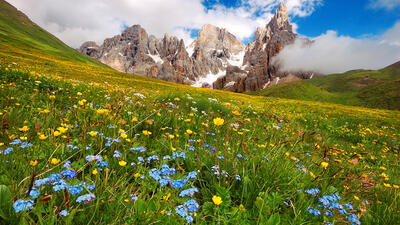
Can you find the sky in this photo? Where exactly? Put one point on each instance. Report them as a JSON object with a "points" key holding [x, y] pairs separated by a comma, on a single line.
{"points": [[368, 23]]}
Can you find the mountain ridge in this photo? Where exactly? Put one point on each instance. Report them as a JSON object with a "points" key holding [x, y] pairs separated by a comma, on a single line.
{"points": [[215, 59]]}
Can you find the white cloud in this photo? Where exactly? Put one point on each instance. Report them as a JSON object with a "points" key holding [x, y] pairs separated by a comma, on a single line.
{"points": [[332, 53], [76, 21], [384, 4]]}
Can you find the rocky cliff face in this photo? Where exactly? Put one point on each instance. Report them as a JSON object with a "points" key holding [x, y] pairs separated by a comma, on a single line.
{"points": [[134, 51], [216, 59], [260, 71]]}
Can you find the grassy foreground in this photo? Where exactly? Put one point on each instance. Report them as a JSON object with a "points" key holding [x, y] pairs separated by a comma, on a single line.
{"points": [[77, 154], [83, 144]]}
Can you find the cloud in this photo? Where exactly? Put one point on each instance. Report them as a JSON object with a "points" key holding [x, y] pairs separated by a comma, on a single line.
{"points": [[332, 53], [384, 4], [76, 21]]}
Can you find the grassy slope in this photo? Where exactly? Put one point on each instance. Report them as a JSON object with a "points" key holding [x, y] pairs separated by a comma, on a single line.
{"points": [[311, 132], [380, 90]]}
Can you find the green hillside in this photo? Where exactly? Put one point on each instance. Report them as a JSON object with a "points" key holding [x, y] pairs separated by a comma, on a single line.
{"points": [[81, 143], [368, 88]]}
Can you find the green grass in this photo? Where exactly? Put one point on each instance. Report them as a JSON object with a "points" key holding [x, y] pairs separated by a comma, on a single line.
{"points": [[58, 106], [367, 88]]}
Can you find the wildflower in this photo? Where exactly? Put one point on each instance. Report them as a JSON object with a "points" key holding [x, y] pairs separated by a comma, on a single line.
{"points": [[189, 132], [52, 97], [217, 200], [324, 165], [68, 173], [54, 161], [82, 102], [42, 137], [356, 198], [395, 186], [64, 213], [57, 133], [24, 129], [92, 133], [86, 198], [21, 205], [34, 193], [33, 162], [124, 135], [95, 171], [146, 132], [122, 163], [134, 119], [236, 113], [79, 93], [218, 121], [166, 197], [386, 185]]}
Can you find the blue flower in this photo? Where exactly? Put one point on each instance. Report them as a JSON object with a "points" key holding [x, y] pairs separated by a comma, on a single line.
{"points": [[188, 192], [64, 213], [21, 205], [68, 173], [34, 193], [86, 198]]}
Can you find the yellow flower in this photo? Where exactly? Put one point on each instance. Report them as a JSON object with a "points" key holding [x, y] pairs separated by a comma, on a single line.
{"points": [[92, 133], [102, 111], [54, 161], [79, 94], [124, 135], [42, 137], [62, 129], [382, 168], [146, 132], [33, 162], [57, 133], [122, 163], [218, 121], [82, 102], [94, 172], [166, 197], [52, 97], [217, 200], [23, 138], [177, 99], [324, 164], [189, 132], [386, 185], [24, 129], [312, 175], [137, 175], [188, 120], [171, 136], [134, 119], [1, 144], [395, 186], [356, 198], [236, 113]]}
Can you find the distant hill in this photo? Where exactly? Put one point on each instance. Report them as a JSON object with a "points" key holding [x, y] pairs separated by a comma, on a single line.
{"points": [[368, 88]]}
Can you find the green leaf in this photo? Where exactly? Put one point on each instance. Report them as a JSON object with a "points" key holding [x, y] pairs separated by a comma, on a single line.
{"points": [[274, 220]]}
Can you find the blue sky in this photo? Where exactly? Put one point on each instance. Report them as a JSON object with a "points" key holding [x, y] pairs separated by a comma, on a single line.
{"points": [[354, 18]]}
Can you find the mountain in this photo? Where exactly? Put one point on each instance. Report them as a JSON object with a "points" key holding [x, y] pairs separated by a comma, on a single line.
{"points": [[134, 51], [368, 88], [215, 59]]}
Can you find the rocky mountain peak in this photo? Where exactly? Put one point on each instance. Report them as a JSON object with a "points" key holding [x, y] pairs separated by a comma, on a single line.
{"points": [[280, 21]]}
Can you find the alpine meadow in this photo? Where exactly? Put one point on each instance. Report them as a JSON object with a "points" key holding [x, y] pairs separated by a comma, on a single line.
{"points": [[85, 140]]}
